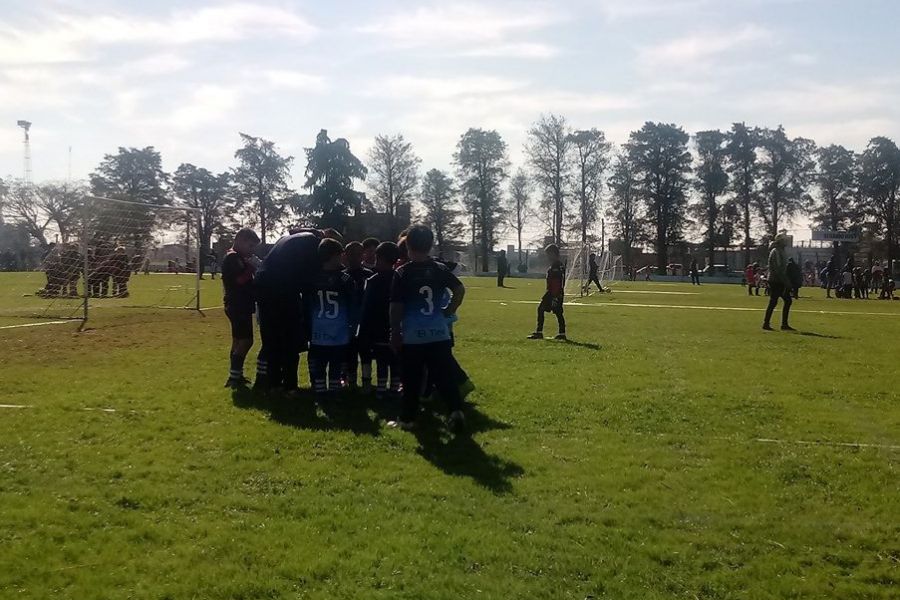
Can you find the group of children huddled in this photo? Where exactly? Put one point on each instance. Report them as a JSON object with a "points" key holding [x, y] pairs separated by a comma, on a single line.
{"points": [[108, 271], [347, 305], [855, 281]]}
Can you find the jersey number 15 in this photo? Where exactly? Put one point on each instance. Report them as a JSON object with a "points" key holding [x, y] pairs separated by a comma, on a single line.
{"points": [[328, 305]]}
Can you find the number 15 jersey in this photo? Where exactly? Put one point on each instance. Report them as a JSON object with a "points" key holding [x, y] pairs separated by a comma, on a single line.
{"points": [[331, 306], [420, 287]]}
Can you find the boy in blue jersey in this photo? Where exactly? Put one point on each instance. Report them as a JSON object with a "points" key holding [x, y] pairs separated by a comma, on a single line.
{"points": [[419, 327], [375, 323], [356, 355], [331, 307]]}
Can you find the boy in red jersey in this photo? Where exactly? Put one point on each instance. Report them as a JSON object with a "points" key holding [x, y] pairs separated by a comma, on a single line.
{"points": [[237, 280], [553, 297]]}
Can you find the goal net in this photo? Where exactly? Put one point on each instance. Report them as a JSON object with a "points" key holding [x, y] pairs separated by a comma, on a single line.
{"points": [[119, 255], [578, 270]]}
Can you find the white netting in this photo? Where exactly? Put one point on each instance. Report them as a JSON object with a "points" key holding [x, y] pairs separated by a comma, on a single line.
{"points": [[121, 255], [579, 281]]}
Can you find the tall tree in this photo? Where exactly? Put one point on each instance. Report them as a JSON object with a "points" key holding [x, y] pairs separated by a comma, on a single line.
{"points": [[61, 202], [394, 170], [743, 168], [836, 181], [711, 181], [519, 205], [548, 153], [590, 155], [210, 194], [880, 186], [624, 204], [331, 169], [261, 182], [482, 164], [133, 174], [24, 207], [439, 202], [786, 169], [659, 156]]}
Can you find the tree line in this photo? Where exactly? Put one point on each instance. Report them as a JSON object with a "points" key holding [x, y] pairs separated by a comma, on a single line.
{"points": [[660, 187]]}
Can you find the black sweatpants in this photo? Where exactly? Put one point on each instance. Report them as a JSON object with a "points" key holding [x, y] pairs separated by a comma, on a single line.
{"points": [[437, 357], [326, 367], [283, 335], [387, 367], [548, 305], [776, 291]]}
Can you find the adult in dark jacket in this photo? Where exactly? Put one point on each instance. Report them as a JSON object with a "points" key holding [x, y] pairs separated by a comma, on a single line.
{"points": [[289, 270]]}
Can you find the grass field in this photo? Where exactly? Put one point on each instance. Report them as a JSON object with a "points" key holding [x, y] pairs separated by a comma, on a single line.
{"points": [[672, 450]]}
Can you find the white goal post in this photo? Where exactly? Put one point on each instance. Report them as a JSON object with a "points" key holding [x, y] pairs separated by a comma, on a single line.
{"points": [[121, 255], [578, 280]]}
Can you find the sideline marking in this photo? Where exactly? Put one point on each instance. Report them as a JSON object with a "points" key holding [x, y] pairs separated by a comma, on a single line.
{"points": [[826, 443], [732, 308], [16, 406], [38, 324]]}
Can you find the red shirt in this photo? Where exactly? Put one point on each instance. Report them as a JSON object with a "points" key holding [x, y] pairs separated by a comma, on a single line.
{"points": [[556, 276]]}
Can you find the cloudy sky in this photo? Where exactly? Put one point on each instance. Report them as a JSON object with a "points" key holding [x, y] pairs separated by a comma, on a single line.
{"points": [[186, 77]]}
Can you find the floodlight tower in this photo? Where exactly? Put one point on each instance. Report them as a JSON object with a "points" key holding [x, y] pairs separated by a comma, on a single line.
{"points": [[26, 126]]}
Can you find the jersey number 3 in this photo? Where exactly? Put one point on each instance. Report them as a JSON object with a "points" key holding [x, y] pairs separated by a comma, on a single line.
{"points": [[328, 306], [428, 293]]}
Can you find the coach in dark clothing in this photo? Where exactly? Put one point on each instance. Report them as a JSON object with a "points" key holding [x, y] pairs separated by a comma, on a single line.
{"points": [[288, 270], [502, 268]]}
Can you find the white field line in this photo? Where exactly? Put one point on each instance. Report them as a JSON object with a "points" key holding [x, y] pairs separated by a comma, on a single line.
{"points": [[16, 406], [727, 308], [39, 324], [615, 291], [826, 443]]}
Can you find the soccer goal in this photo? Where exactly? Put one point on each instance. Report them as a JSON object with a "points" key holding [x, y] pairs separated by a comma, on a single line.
{"points": [[119, 256], [578, 270]]}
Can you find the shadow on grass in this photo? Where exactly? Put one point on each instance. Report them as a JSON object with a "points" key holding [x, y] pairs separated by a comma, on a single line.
{"points": [[460, 455], [585, 345], [348, 412], [818, 335]]}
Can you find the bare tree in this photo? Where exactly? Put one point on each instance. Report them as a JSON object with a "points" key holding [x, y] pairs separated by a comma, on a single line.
{"points": [[439, 202], [519, 209], [394, 172], [548, 152], [591, 157]]}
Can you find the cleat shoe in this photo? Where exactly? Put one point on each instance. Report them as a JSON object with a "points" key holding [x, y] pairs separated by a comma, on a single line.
{"points": [[404, 425], [787, 328], [537, 335], [457, 421], [466, 388], [767, 327], [236, 382], [561, 336]]}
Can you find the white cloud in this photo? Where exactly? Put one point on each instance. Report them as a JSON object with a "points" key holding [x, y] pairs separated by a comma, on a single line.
{"points": [[158, 64], [627, 9], [71, 37], [821, 99], [470, 29], [294, 80], [696, 49], [415, 88]]}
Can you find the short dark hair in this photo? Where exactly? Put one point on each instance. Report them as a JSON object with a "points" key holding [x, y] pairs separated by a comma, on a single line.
{"points": [[247, 234], [353, 247], [419, 238], [552, 248], [370, 242], [333, 234], [329, 248], [388, 252], [402, 248]]}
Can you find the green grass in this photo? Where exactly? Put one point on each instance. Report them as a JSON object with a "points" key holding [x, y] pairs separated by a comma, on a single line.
{"points": [[624, 465]]}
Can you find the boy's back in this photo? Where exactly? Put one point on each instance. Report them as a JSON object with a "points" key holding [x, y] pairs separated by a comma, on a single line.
{"points": [[374, 322], [332, 308], [420, 287]]}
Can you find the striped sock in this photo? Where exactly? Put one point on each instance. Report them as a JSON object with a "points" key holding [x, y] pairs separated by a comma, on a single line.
{"points": [[237, 367]]}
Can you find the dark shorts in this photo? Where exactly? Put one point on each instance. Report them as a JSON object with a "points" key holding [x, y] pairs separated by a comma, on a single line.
{"points": [[241, 324], [548, 304]]}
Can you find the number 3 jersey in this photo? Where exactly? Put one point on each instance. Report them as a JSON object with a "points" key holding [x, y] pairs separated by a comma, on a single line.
{"points": [[332, 309], [421, 287]]}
